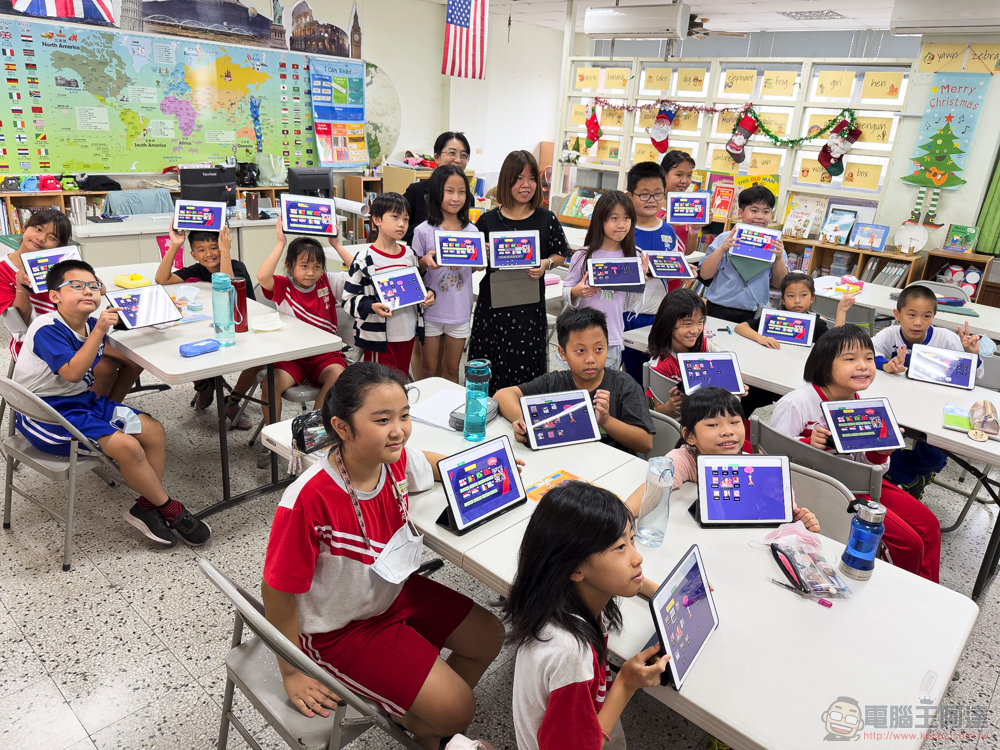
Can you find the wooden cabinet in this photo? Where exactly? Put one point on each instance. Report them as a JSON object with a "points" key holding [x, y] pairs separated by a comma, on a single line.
{"points": [[940, 259], [821, 254], [356, 188]]}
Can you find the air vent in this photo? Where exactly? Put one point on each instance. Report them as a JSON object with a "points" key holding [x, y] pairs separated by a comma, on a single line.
{"points": [[812, 15]]}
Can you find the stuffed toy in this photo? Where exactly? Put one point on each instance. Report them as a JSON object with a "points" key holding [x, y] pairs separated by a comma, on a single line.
{"points": [[29, 184], [48, 183], [69, 183]]}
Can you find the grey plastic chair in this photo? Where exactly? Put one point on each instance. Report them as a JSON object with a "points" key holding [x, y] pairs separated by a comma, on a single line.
{"points": [[942, 289], [859, 315], [668, 432], [252, 667], [55, 468], [827, 498]]}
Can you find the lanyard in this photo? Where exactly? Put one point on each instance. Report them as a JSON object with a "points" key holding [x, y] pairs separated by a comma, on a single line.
{"points": [[354, 496]]}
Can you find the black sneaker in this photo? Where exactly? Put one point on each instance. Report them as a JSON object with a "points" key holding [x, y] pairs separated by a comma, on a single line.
{"points": [[204, 394], [193, 531], [151, 524]]}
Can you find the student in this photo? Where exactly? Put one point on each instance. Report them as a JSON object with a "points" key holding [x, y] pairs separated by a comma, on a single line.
{"points": [[678, 168], [338, 573], [115, 374], [609, 236], [839, 367], [679, 327], [449, 148], [514, 338], [449, 322], [385, 335], [712, 425], [914, 469], [646, 186], [729, 296], [57, 364], [211, 252], [577, 556], [618, 402]]}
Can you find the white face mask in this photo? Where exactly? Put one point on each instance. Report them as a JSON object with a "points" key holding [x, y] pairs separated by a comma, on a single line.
{"points": [[126, 420]]}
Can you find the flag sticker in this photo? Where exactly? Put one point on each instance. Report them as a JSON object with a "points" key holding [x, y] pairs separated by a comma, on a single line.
{"points": [[43, 152], [44, 165], [23, 152], [40, 137]]}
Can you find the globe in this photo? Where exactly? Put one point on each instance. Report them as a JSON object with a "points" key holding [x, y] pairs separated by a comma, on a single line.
{"points": [[382, 113]]}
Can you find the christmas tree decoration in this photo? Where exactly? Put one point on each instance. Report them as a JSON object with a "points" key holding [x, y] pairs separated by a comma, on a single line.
{"points": [[594, 131], [839, 142], [659, 134], [745, 128], [937, 168], [930, 218]]}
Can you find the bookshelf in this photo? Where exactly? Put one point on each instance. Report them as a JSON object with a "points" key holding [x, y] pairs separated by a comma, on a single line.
{"points": [[940, 259], [821, 254], [356, 188]]}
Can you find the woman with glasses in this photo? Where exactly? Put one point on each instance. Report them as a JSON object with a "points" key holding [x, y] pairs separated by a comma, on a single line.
{"points": [[449, 148]]}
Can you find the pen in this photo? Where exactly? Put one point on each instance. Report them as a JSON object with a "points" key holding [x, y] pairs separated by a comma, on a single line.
{"points": [[819, 600], [727, 329], [564, 412]]}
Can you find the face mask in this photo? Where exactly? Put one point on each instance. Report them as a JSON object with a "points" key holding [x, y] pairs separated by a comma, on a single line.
{"points": [[126, 420]]}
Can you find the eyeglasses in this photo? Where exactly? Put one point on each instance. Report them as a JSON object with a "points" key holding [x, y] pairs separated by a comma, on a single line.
{"points": [[452, 153], [838, 716], [646, 197], [79, 286]]}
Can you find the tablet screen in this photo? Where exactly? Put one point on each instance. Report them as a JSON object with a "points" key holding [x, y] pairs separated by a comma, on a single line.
{"points": [[205, 216], [38, 262], [754, 242], [305, 215], [460, 248], [615, 272], [481, 481], [863, 425], [788, 328], [685, 614], [720, 369], [400, 288], [669, 266], [744, 489], [555, 419], [514, 250], [944, 366], [145, 306], [688, 208]]}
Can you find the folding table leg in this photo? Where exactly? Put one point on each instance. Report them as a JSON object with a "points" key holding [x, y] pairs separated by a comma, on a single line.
{"points": [[220, 400]]}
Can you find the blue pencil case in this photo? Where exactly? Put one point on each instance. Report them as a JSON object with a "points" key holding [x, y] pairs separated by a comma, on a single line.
{"points": [[199, 347]]}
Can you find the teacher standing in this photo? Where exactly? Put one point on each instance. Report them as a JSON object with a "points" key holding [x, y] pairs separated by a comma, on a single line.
{"points": [[513, 338], [449, 148]]}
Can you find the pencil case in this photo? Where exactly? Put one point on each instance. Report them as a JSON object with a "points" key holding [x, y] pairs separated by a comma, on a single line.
{"points": [[198, 347]]}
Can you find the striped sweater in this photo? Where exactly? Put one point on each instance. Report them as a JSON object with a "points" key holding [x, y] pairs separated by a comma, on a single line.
{"points": [[359, 295]]}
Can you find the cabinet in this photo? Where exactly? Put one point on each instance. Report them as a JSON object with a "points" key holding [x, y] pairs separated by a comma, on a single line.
{"points": [[822, 255], [356, 187], [940, 259]]}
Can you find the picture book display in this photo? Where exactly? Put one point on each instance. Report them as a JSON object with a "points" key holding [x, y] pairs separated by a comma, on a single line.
{"points": [[943, 366], [787, 327], [481, 483], [145, 306], [514, 250], [837, 226], [755, 242], [716, 368], [460, 248], [616, 274], [961, 238], [866, 424], [555, 419], [869, 237], [797, 223], [723, 198], [814, 205], [400, 288], [38, 262], [669, 266], [744, 490], [199, 216], [688, 208], [302, 214]]}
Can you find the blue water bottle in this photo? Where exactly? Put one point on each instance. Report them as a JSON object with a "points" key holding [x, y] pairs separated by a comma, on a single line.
{"points": [[867, 528], [477, 381], [223, 298]]}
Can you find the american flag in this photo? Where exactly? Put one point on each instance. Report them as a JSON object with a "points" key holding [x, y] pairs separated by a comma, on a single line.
{"points": [[465, 34]]}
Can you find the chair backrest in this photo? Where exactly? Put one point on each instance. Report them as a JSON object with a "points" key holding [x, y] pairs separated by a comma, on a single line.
{"points": [[259, 295], [859, 315], [645, 376], [991, 374], [668, 432], [25, 402], [859, 478], [345, 326], [942, 289], [827, 498]]}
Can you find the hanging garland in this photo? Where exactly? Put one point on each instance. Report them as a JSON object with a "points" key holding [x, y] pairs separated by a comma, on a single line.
{"points": [[845, 114], [678, 106]]}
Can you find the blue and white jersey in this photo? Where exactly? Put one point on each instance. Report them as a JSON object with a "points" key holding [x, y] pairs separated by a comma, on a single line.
{"points": [[48, 345], [658, 239]]}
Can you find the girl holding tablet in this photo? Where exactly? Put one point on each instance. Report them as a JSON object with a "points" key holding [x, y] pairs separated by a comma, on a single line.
{"points": [[338, 575], [577, 555], [839, 367], [513, 338]]}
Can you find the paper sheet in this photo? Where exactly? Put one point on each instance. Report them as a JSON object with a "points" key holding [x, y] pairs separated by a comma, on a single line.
{"points": [[436, 409]]}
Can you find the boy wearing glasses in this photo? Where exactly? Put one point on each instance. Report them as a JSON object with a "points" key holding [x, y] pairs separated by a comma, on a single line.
{"points": [[647, 186], [57, 362]]}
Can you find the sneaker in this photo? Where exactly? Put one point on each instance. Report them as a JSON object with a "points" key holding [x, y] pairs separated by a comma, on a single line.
{"points": [[151, 524], [243, 424], [204, 394], [264, 459], [193, 531]]}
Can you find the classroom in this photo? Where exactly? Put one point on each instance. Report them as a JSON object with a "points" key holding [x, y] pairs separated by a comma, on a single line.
{"points": [[665, 306]]}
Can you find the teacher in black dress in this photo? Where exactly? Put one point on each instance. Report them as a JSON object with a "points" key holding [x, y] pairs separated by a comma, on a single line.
{"points": [[513, 339], [449, 148]]}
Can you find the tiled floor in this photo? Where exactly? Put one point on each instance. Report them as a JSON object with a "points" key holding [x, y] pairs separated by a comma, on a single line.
{"points": [[126, 650]]}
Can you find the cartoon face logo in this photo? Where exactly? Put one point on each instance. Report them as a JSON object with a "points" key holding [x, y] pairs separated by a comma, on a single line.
{"points": [[843, 720]]}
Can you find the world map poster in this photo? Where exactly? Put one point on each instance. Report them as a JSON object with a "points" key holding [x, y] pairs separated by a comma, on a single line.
{"points": [[80, 99]]}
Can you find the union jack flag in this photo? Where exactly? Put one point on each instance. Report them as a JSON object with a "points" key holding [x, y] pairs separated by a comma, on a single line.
{"points": [[97, 10], [465, 34]]}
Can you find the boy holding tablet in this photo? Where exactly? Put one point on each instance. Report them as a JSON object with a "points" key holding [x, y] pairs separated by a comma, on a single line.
{"points": [[618, 400]]}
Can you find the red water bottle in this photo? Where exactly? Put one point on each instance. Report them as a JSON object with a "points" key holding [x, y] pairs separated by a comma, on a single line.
{"points": [[240, 306]]}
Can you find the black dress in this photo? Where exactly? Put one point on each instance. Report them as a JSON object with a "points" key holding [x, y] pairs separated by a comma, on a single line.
{"points": [[416, 199], [513, 339]]}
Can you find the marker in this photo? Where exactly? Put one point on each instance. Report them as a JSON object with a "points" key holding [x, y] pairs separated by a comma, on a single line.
{"points": [[819, 600], [727, 329]]}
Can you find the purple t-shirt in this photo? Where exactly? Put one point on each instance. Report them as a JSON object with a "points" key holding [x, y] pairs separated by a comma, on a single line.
{"points": [[612, 308], [452, 285]]}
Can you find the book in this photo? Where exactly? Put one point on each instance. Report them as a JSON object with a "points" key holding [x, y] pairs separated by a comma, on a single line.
{"points": [[807, 255], [870, 268], [961, 238], [837, 227], [814, 204], [869, 237], [797, 223], [536, 491], [723, 198]]}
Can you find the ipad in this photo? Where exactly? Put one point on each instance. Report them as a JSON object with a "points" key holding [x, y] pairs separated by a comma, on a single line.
{"points": [[660, 385], [944, 366], [788, 328], [144, 306], [688, 208], [556, 419], [717, 368], [199, 216], [38, 262], [865, 424], [481, 483], [400, 288], [460, 248], [669, 266], [753, 242], [685, 615], [744, 491], [514, 250], [302, 214], [616, 274]]}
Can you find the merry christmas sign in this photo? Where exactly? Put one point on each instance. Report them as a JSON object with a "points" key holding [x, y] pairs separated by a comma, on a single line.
{"points": [[946, 130]]}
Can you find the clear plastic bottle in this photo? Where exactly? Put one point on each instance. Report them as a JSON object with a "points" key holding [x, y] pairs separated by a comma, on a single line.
{"points": [[477, 381], [867, 528], [655, 510], [223, 299]]}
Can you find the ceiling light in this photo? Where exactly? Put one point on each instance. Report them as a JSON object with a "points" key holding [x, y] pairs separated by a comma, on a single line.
{"points": [[812, 15]]}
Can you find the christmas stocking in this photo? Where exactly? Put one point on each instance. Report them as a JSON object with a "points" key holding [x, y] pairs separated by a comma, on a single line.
{"points": [[746, 128], [839, 142], [594, 131], [659, 134]]}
